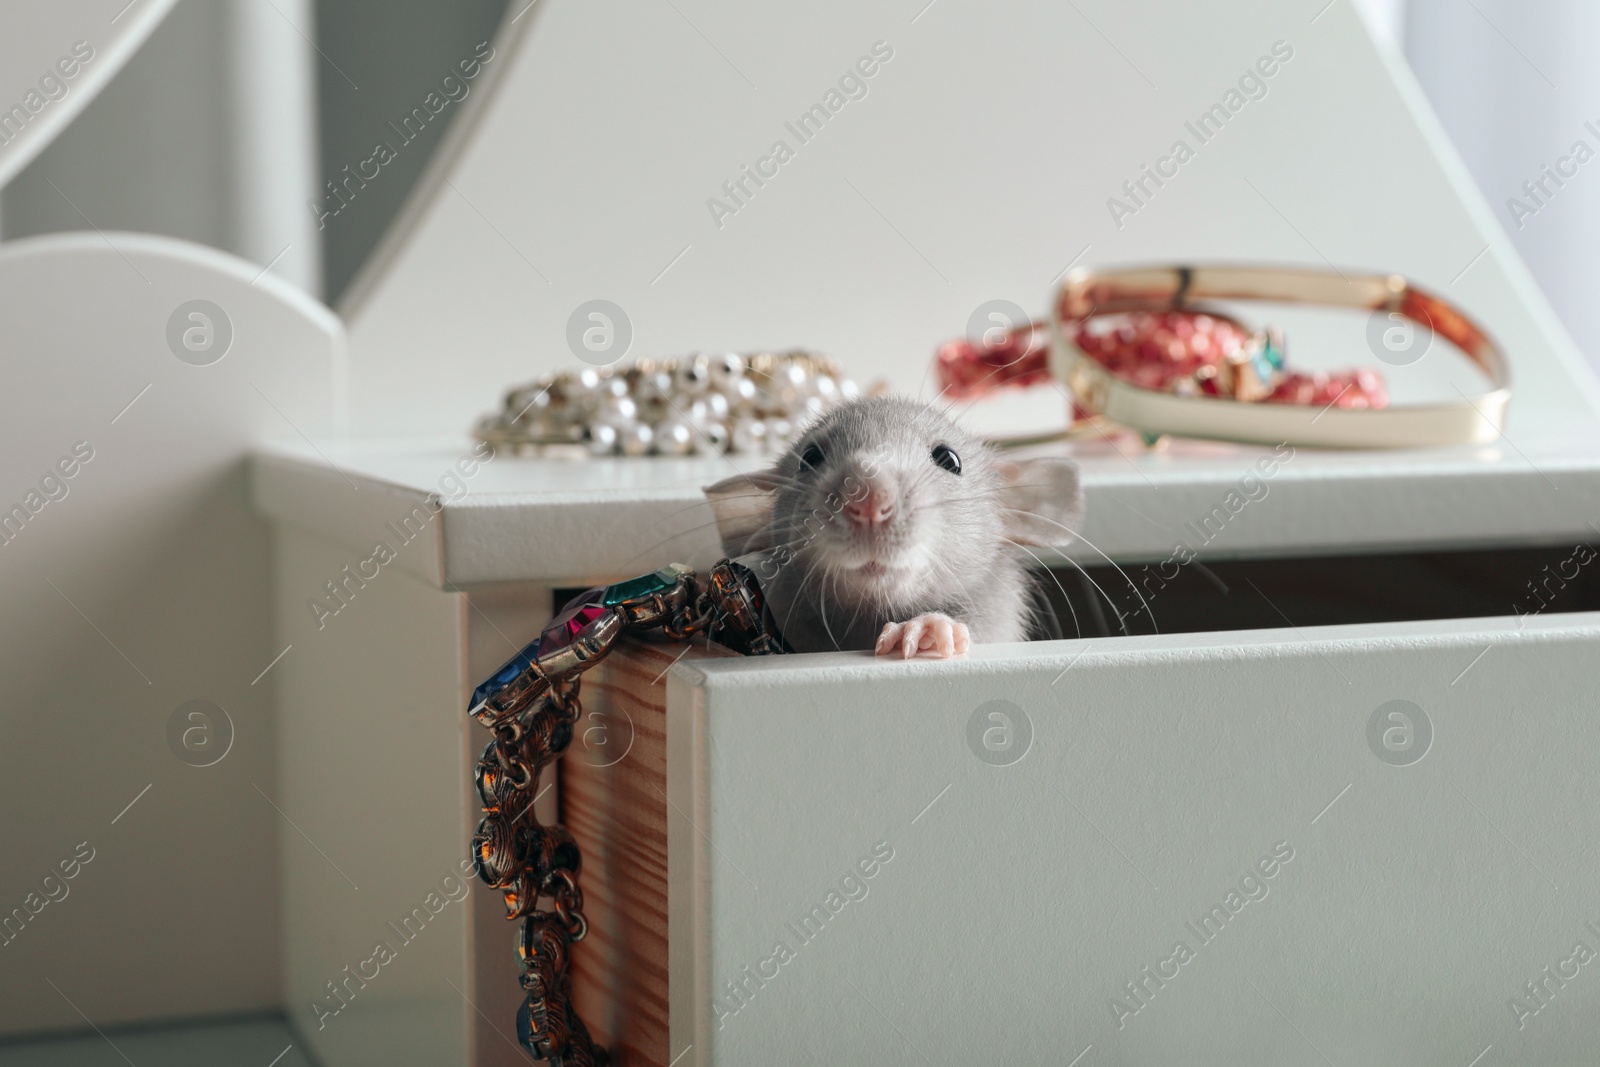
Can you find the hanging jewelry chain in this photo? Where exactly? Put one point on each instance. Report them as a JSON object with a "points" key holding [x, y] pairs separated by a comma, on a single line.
{"points": [[530, 705]]}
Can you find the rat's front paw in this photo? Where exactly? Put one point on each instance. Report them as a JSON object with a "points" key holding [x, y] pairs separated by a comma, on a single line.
{"points": [[937, 635]]}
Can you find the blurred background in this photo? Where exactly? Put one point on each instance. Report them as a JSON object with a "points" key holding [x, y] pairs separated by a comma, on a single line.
{"points": [[237, 114]]}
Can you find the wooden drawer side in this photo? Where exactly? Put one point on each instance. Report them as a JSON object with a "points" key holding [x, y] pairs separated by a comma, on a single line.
{"points": [[614, 800]]}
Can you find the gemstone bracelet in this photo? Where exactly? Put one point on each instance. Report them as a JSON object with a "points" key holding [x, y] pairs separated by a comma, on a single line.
{"points": [[530, 705]]}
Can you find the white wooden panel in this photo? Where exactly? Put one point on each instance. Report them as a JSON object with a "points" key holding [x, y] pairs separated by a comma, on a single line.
{"points": [[373, 789], [520, 518], [500, 619], [274, 131], [137, 584], [38, 36], [1022, 898]]}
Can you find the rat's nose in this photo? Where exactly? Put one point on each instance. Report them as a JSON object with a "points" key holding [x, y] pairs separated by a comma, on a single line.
{"points": [[871, 508]]}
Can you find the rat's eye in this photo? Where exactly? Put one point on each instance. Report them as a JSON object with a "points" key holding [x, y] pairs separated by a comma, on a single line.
{"points": [[946, 457], [811, 459]]}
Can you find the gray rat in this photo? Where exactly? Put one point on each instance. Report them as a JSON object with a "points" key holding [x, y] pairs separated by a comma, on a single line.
{"points": [[886, 526]]}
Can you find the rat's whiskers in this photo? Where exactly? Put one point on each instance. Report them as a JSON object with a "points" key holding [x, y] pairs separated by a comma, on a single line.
{"points": [[1108, 559], [1075, 624]]}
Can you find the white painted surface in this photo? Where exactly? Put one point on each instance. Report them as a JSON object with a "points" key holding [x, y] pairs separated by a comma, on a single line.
{"points": [[499, 621], [145, 586], [273, 126], [556, 520], [375, 769], [373, 779], [38, 36], [1021, 898]]}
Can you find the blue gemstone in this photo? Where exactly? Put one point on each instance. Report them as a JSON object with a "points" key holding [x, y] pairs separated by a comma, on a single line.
{"points": [[525, 1027], [504, 676]]}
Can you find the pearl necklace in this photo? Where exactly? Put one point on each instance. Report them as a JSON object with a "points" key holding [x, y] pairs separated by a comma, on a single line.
{"points": [[698, 405]]}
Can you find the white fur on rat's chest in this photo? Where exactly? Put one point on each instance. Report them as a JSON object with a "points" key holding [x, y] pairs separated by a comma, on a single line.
{"points": [[821, 612]]}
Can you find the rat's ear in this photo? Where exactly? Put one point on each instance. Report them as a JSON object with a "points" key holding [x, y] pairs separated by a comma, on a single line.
{"points": [[742, 506], [1041, 502]]}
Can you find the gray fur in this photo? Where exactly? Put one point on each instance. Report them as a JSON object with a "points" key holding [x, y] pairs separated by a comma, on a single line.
{"points": [[946, 549]]}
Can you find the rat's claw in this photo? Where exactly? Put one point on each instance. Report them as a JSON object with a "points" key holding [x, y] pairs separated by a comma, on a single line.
{"points": [[963, 639], [935, 634], [886, 639], [911, 637]]}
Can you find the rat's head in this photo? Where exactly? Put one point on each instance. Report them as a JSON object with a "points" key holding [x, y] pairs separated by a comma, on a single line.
{"points": [[882, 496], [885, 498]]}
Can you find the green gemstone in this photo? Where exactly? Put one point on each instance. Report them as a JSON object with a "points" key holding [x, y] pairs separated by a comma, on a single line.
{"points": [[643, 586], [1274, 356], [1267, 361]]}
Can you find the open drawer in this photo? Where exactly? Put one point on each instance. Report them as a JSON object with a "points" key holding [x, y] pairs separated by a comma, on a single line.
{"points": [[1346, 844]]}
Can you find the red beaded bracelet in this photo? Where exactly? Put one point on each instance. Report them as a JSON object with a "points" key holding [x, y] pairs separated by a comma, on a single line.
{"points": [[1137, 347]]}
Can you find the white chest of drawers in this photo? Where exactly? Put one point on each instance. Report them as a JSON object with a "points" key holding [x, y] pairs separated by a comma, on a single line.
{"points": [[1022, 898]]}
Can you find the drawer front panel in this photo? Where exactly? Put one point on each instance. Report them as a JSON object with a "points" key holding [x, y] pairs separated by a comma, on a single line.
{"points": [[1353, 845]]}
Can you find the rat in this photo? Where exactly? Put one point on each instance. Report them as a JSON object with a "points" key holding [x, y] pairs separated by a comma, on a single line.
{"points": [[886, 526]]}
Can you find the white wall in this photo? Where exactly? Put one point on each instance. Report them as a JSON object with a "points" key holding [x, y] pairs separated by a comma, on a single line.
{"points": [[1514, 83], [1385, 18], [978, 166]]}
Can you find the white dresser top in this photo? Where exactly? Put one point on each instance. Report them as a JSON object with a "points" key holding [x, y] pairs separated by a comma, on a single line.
{"points": [[563, 521]]}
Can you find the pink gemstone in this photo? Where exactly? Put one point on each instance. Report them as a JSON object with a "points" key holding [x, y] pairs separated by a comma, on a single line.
{"points": [[580, 612]]}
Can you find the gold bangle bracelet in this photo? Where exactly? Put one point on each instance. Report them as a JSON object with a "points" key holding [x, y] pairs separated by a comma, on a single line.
{"points": [[1086, 293]]}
